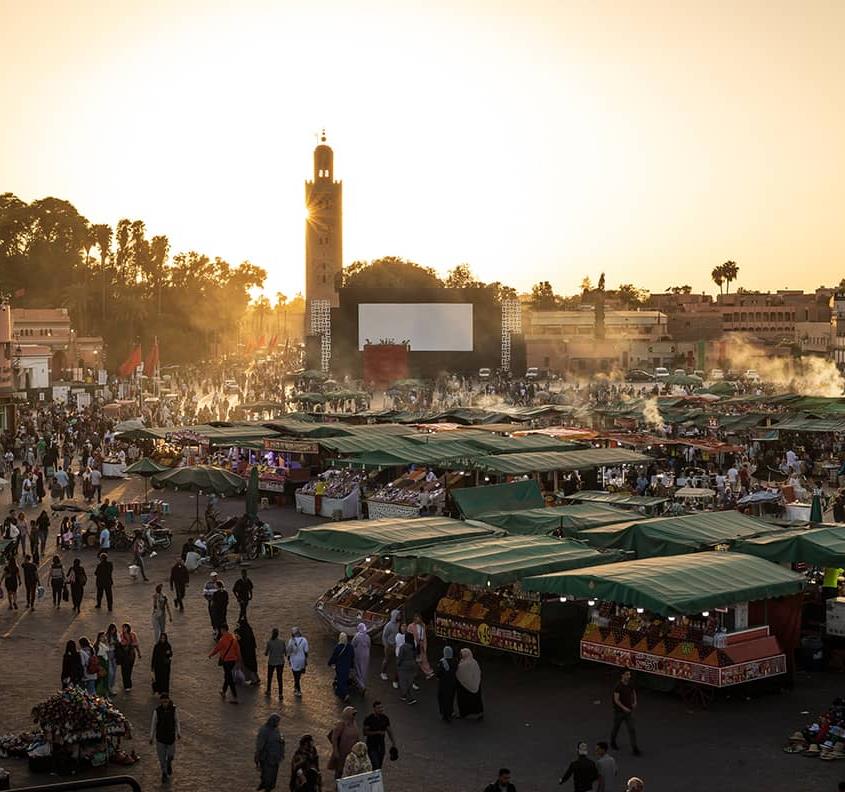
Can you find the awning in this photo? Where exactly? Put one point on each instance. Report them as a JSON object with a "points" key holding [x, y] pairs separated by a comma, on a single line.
{"points": [[674, 586], [666, 536], [824, 546], [497, 561], [536, 462], [345, 542], [622, 499], [569, 519], [472, 501]]}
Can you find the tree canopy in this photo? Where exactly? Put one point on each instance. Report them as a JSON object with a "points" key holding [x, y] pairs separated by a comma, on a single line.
{"points": [[119, 283]]}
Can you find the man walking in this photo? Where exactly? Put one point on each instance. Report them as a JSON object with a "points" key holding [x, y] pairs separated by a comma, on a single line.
{"points": [[97, 484], [165, 730], [179, 579], [502, 782], [30, 580], [388, 642], [138, 547], [104, 577], [243, 593], [582, 771], [376, 725], [606, 765], [624, 704], [219, 607], [105, 538]]}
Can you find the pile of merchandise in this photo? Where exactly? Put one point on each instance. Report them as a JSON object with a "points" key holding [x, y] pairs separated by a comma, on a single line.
{"points": [[18, 745], [75, 716], [339, 483], [824, 738]]}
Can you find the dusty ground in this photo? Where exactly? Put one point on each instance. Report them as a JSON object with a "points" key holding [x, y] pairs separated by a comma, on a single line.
{"points": [[533, 718]]}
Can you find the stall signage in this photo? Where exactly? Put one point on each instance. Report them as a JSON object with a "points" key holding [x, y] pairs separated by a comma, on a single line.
{"points": [[186, 437], [496, 636], [271, 485], [291, 446], [682, 669]]}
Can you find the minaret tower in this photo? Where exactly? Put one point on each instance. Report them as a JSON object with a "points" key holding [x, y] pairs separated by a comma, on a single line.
{"points": [[323, 230]]}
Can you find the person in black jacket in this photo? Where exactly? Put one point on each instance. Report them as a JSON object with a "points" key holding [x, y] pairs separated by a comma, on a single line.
{"points": [[243, 592], [218, 607], [179, 579], [103, 574], [582, 771], [502, 783], [165, 730], [30, 580]]}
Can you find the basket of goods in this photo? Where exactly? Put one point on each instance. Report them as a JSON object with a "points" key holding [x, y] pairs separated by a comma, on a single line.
{"points": [[75, 716]]}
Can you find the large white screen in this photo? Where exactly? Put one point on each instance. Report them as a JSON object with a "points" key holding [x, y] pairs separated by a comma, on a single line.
{"points": [[430, 327]]}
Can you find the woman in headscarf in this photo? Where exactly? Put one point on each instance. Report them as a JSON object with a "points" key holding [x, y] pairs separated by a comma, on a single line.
{"points": [[71, 665], [469, 686], [446, 683], [357, 761], [269, 752], [160, 664], [305, 767], [342, 659], [249, 659], [417, 629], [344, 735], [361, 646], [388, 642], [406, 667]]}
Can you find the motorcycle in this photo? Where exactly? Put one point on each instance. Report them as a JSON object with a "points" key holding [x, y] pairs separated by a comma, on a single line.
{"points": [[156, 536]]}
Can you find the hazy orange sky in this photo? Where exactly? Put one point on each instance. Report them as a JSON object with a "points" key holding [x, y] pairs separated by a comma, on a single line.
{"points": [[533, 140]]}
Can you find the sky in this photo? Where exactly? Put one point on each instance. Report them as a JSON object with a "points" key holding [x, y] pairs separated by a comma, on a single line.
{"points": [[532, 139]]}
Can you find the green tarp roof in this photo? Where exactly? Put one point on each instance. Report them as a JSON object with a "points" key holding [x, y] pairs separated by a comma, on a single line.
{"points": [[615, 498], [345, 542], [497, 561], [824, 546], [674, 586], [665, 536], [517, 464], [810, 424], [569, 519], [472, 501]]}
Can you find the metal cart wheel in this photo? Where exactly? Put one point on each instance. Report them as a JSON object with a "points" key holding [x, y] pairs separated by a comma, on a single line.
{"points": [[695, 696]]}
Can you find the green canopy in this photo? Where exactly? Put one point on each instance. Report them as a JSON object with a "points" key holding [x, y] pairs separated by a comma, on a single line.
{"points": [[201, 478], [666, 536], [263, 406], [353, 540], [146, 467], [497, 561], [683, 379], [252, 494], [674, 586], [569, 519], [472, 501], [620, 499], [823, 546], [539, 461]]}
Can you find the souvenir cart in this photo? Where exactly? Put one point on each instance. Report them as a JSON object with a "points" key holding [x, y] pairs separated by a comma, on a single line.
{"points": [[372, 593], [76, 730], [341, 496], [698, 619], [112, 467], [271, 478]]}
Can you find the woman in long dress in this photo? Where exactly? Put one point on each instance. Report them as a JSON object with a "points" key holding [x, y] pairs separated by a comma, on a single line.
{"points": [[342, 659], [344, 735], [417, 629], [406, 667], [446, 683], [361, 646], [249, 658], [468, 676], [160, 664]]}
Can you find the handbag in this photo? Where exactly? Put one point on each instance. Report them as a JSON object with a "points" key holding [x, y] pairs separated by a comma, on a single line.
{"points": [[39, 592], [239, 676], [65, 593]]}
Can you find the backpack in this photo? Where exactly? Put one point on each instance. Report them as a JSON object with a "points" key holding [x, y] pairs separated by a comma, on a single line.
{"points": [[93, 665]]}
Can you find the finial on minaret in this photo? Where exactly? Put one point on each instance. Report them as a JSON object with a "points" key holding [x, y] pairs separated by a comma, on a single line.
{"points": [[323, 137]]}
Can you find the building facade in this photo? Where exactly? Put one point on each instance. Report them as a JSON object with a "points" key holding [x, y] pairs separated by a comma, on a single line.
{"points": [[323, 231]]}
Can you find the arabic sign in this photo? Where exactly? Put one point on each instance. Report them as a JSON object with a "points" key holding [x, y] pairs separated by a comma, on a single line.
{"points": [[496, 636], [291, 446]]}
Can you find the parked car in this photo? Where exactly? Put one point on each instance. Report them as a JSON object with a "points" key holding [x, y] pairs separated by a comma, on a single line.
{"points": [[698, 373], [680, 372], [717, 374], [484, 374], [638, 375], [661, 373], [532, 373], [751, 375], [230, 386]]}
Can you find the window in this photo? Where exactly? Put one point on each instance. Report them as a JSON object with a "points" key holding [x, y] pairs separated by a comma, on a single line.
{"points": [[743, 317]]}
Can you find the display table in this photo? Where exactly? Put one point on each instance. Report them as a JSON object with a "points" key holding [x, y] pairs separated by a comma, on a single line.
{"points": [[329, 507], [113, 469], [378, 509]]}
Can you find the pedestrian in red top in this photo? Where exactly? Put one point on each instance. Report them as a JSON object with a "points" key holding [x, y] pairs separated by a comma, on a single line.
{"points": [[229, 653]]}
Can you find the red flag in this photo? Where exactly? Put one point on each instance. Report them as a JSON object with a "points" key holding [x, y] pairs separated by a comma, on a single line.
{"points": [[131, 363], [151, 363], [261, 341], [273, 342]]}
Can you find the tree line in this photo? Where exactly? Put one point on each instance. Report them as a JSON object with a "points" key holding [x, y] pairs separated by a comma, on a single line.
{"points": [[120, 283]]}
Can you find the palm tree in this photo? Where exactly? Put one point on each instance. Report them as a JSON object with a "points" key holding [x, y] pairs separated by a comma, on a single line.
{"points": [[103, 236], [718, 276], [729, 272], [159, 248]]}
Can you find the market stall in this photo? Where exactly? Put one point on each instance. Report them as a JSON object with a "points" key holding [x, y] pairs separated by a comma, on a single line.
{"points": [[412, 494], [684, 617], [558, 520], [335, 494], [621, 500], [113, 467], [484, 604]]}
